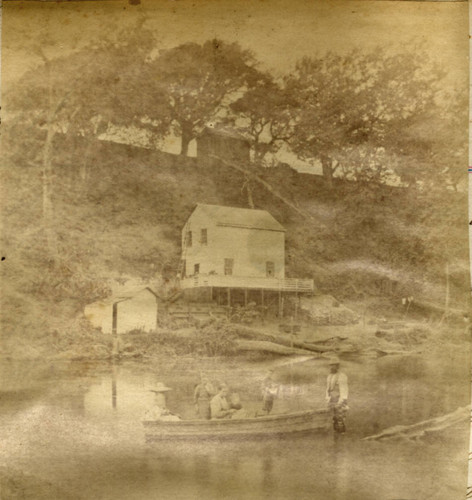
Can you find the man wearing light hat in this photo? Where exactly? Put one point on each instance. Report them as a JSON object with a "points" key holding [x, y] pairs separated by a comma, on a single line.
{"points": [[336, 394], [159, 411]]}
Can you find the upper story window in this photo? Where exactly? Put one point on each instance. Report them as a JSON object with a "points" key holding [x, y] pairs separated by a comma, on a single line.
{"points": [[270, 269], [204, 237], [196, 268], [229, 263], [188, 239]]}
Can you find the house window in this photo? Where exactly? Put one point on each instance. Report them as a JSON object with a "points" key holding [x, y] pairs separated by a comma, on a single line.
{"points": [[270, 269], [204, 237], [196, 268], [229, 267], [183, 268], [188, 239]]}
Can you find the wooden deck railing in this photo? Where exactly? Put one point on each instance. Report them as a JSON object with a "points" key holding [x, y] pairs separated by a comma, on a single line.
{"points": [[276, 284]]}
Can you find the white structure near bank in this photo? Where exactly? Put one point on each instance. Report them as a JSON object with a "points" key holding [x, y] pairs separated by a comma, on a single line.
{"points": [[230, 241], [132, 310], [240, 248]]}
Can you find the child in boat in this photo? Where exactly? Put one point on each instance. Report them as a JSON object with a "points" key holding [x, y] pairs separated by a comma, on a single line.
{"points": [[202, 396], [160, 411], [270, 390]]}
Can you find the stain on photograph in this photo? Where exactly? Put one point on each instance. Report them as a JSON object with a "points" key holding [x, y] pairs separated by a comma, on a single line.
{"points": [[235, 259]]}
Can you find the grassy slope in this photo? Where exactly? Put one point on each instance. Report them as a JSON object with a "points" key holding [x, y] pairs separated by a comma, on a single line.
{"points": [[124, 217]]}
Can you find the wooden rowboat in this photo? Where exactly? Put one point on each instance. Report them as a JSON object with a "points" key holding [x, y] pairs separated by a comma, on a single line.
{"points": [[266, 426]]}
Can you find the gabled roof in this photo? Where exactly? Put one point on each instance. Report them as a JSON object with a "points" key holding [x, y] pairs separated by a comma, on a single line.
{"points": [[240, 217], [123, 295]]}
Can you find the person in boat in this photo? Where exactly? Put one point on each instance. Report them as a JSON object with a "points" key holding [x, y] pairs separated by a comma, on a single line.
{"points": [[336, 395], [222, 406], [270, 390], [202, 396], [160, 411]]}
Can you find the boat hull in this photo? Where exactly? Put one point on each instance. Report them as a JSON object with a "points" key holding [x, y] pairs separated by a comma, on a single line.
{"points": [[267, 426]]}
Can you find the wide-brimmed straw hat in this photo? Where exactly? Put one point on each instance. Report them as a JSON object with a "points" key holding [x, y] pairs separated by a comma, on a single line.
{"points": [[334, 360], [160, 387]]}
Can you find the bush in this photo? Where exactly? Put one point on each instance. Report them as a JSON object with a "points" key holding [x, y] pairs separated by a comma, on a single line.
{"points": [[247, 315], [212, 338]]}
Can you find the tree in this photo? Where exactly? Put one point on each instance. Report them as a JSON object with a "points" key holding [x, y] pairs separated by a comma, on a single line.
{"points": [[263, 116], [197, 80], [359, 100], [78, 95]]}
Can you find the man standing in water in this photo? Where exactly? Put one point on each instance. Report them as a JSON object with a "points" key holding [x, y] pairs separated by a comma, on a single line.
{"points": [[270, 390], [336, 395]]}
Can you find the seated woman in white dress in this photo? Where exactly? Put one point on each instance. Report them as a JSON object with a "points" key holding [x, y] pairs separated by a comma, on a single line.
{"points": [[160, 411]]}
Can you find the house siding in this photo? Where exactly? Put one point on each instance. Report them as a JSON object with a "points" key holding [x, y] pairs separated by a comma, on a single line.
{"points": [[249, 248], [137, 312]]}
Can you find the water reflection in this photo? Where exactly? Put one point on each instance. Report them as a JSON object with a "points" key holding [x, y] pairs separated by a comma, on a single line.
{"points": [[383, 393], [88, 426], [114, 377]]}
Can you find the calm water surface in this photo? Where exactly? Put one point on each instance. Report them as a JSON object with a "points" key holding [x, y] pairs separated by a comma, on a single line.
{"points": [[77, 426]]}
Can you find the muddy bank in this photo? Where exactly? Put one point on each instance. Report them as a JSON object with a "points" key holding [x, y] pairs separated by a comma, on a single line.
{"points": [[222, 338]]}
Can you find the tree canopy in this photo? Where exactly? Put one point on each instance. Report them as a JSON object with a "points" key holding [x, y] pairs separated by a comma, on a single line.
{"points": [[356, 108], [197, 81]]}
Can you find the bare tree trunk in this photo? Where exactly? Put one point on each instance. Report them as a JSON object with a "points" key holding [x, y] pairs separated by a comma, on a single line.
{"points": [[84, 170], [447, 296], [328, 171], [249, 189], [48, 209], [267, 186]]}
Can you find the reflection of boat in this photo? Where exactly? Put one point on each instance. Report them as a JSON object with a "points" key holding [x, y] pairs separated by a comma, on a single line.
{"points": [[272, 425]]}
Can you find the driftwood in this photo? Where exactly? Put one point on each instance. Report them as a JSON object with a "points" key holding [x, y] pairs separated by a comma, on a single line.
{"points": [[421, 428], [265, 346], [393, 352], [328, 339], [294, 343]]}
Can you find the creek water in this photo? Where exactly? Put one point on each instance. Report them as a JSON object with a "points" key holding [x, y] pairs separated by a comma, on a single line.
{"points": [[78, 426]]}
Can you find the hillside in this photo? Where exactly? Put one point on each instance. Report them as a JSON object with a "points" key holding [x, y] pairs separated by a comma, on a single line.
{"points": [[119, 209]]}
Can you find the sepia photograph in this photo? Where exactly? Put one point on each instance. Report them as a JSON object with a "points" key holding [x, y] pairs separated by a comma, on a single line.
{"points": [[235, 250]]}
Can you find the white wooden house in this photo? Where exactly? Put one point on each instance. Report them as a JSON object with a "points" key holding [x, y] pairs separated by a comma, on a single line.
{"points": [[235, 248], [230, 241], [124, 312]]}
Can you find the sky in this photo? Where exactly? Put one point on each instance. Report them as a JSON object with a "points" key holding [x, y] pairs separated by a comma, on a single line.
{"points": [[279, 32]]}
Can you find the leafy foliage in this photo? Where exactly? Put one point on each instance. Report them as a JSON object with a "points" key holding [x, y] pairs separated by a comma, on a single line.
{"points": [[80, 209], [353, 109], [196, 80]]}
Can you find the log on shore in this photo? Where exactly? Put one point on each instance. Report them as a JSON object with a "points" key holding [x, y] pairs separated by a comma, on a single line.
{"points": [[265, 346], [393, 352], [328, 339], [420, 428], [293, 343]]}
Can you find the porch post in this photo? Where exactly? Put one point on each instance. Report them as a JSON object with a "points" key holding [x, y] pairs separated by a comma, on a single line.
{"points": [[281, 305]]}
